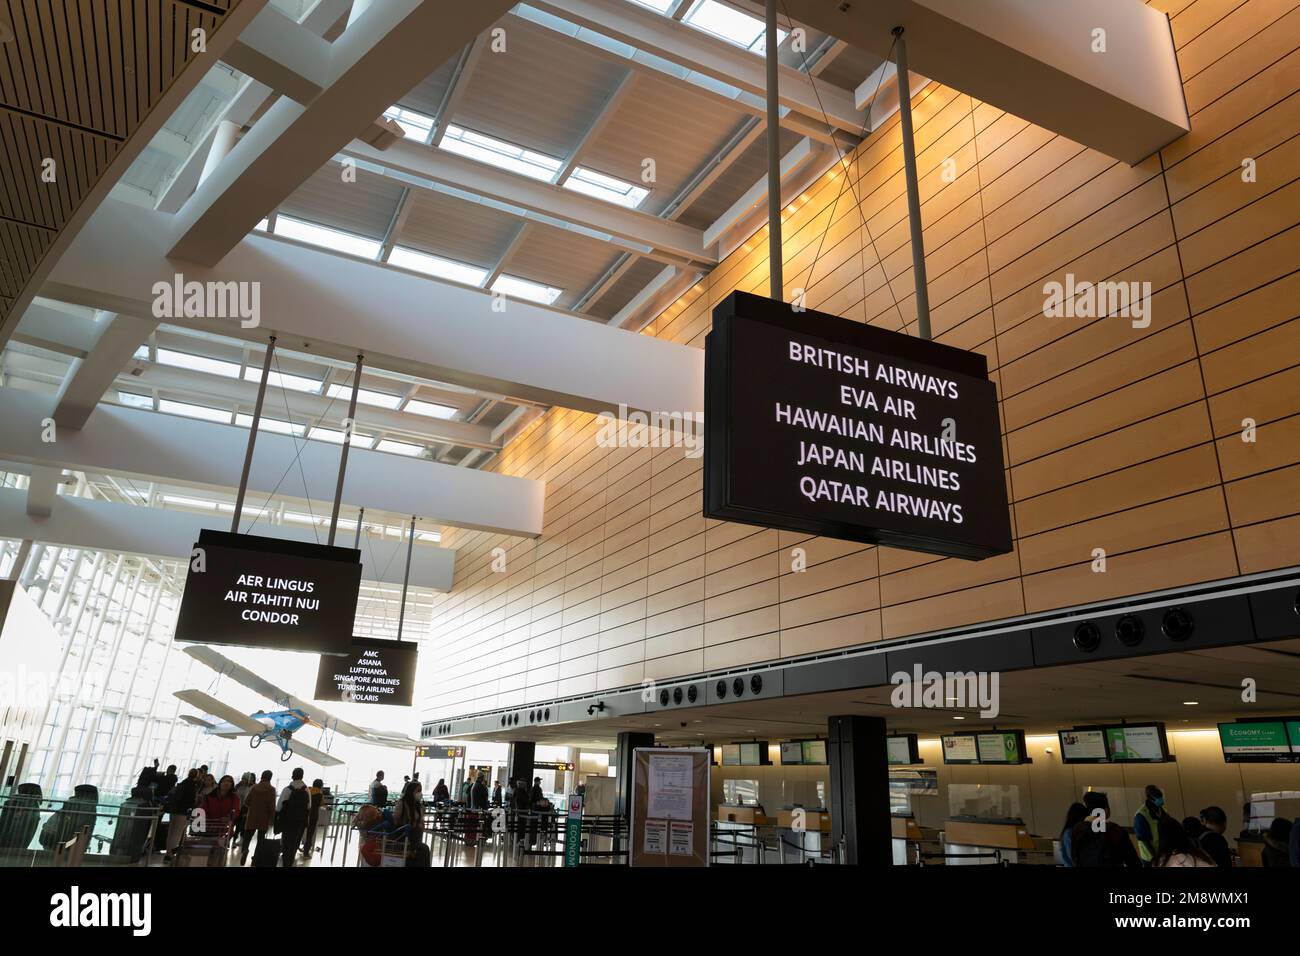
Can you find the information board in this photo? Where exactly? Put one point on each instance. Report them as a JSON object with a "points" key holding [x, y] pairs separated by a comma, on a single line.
{"points": [[1002, 747], [1137, 743], [669, 817], [1083, 746], [902, 750], [960, 748], [251, 591], [817, 424], [372, 672]]}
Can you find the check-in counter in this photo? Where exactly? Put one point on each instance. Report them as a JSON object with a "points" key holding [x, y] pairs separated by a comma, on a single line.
{"points": [[905, 831], [805, 834], [979, 838], [736, 831]]}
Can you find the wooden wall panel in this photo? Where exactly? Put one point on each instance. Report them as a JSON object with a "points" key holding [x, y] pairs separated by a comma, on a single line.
{"points": [[1121, 438]]}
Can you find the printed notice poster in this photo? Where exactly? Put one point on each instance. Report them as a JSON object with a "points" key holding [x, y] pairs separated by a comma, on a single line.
{"points": [[681, 837], [656, 837], [670, 787]]}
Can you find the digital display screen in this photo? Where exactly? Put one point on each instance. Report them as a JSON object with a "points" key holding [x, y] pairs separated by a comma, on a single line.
{"points": [[960, 748], [815, 423], [731, 755], [751, 754], [1003, 747], [902, 749], [1260, 741], [1138, 743], [791, 753], [814, 751], [372, 672], [1083, 746], [252, 591]]}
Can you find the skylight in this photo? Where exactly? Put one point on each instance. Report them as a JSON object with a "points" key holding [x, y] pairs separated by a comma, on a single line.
{"points": [[416, 126], [432, 409], [370, 397], [198, 363], [297, 383], [731, 25], [436, 266], [187, 502], [327, 238], [399, 447], [661, 6], [604, 187], [524, 289], [271, 425], [205, 412], [328, 434], [499, 153], [134, 400]]}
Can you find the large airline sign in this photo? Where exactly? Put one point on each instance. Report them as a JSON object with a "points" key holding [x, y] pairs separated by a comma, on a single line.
{"points": [[373, 672], [817, 424], [251, 591]]}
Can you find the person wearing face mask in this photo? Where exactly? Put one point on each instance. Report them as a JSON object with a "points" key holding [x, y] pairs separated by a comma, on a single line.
{"points": [[1146, 824]]}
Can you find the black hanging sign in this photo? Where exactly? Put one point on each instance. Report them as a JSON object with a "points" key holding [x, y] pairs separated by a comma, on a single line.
{"points": [[817, 424]]}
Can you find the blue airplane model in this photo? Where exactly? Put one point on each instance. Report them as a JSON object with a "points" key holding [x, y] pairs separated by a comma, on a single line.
{"points": [[221, 720]]}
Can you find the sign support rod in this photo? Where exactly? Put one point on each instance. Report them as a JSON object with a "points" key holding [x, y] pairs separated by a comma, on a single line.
{"points": [[356, 541], [252, 437], [347, 443], [401, 612], [913, 193], [776, 284]]}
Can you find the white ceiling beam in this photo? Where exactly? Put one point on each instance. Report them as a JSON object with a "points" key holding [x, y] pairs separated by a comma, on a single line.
{"points": [[719, 164], [384, 54], [880, 91], [94, 525], [801, 154], [548, 199], [283, 55], [88, 378], [606, 113], [216, 46], [689, 78], [414, 324], [1034, 59], [606, 282], [833, 52], [725, 62], [304, 406], [455, 92], [152, 445], [42, 492], [659, 293], [56, 331], [396, 224], [511, 248]]}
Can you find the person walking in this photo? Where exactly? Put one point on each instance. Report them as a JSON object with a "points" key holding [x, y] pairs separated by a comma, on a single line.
{"points": [[496, 793], [478, 798], [317, 795], [260, 815], [378, 791], [221, 807], [181, 801], [440, 792], [291, 812]]}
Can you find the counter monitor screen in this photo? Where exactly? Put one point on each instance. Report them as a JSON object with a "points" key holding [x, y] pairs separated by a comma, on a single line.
{"points": [[959, 748], [1261, 741], [753, 753], [1083, 746], [902, 750], [814, 751], [731, 755], [1002, 747], [1137, 743], [791, 753]]}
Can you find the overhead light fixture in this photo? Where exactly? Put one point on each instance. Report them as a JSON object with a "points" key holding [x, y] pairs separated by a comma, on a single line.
{"points": [[959, 717], [1191, 703]]}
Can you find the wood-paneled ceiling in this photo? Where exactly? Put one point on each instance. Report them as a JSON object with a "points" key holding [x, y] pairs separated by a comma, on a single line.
{"points": [[76, 81]]}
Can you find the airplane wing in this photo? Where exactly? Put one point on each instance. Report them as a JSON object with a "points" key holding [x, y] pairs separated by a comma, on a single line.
{"points": [[209, 727], [300, 749], [210, 705], [225, 666]]}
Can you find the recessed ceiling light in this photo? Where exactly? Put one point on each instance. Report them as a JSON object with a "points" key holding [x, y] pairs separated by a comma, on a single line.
{"points": [[959, 717], [1191, 703]]}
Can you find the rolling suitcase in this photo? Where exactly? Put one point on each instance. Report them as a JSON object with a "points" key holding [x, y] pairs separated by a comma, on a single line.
{"points": [[267, 852]]}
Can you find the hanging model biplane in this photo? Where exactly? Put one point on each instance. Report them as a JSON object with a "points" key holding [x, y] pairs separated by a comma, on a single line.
{"points": [[221, 720]]}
